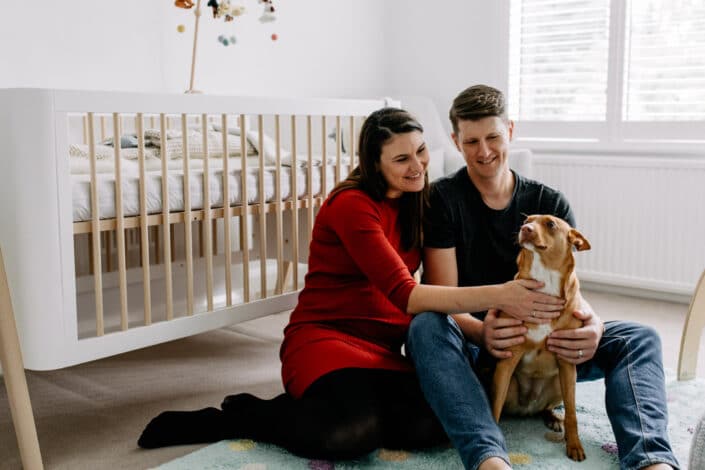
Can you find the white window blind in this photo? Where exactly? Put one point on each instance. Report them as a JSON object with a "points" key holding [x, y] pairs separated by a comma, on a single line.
{"points": [[558, 60], [664, 61]]}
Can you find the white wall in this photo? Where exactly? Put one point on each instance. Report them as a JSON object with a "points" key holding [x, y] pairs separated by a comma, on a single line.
{"points": [[438, 52], [324, 49]]}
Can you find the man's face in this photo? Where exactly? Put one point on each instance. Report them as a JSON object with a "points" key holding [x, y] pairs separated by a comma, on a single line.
{"points": [[484, 144]]}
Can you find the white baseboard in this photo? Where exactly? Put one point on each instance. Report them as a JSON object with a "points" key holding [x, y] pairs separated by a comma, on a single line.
{"points": [[636, 292]]}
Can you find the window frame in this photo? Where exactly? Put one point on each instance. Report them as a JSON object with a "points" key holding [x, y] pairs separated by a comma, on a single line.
{"points": [[613, 134]]}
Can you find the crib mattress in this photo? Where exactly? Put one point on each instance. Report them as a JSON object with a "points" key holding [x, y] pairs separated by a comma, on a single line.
{"points": [[81, 188]]}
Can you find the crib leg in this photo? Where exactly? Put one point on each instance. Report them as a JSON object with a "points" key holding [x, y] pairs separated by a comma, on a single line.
{"points": [[15, 380], [692, 333]]}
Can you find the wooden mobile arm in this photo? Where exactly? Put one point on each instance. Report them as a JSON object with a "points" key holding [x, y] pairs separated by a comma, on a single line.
{"points": [[197, 14]]}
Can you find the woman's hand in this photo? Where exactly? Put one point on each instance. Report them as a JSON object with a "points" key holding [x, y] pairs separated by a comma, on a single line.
{"points": [[580, 344], [498, 334], [523, 303]]}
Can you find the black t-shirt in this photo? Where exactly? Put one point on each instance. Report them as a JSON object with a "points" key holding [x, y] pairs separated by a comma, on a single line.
{"points": [[485, 239]]}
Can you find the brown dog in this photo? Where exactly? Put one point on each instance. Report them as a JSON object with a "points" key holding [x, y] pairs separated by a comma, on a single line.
{"points": [[534, 380]]}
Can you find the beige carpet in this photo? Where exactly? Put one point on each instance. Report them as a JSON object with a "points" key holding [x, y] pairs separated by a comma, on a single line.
{"points": [[89, 416]]}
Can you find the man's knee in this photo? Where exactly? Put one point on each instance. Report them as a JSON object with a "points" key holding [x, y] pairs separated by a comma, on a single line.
{"points": [[426, 326], [629, 338]]}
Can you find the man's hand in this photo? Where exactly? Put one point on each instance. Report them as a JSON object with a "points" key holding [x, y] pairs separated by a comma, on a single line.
{"points": [[580, 344], [498, 334]]}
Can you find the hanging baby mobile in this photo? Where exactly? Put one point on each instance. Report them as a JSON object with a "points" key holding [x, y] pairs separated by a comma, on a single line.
{"points": [[228, 13]]}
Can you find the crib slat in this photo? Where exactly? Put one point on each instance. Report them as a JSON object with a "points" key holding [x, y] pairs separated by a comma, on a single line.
{"points": [[244, 225], [294, 212], [262, 215], [120, 220], [226, 214], [207, 213], [102, 129], [279, 223], [324, 157], [166, 226], [188, 239], [144, 226], [95, 231], [309, 175]]}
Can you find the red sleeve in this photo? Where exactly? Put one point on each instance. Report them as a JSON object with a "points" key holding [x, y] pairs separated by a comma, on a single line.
{"points": [[358, 224]]}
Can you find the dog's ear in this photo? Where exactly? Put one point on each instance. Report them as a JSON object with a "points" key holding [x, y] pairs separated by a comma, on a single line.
{"points": [[578, 240]]}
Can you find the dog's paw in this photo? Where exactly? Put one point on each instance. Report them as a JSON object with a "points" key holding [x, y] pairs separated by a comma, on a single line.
{"points": [[552, 420], [575, 451]]}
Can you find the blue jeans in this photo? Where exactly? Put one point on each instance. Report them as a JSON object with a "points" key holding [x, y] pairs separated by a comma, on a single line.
{"points": [[628, 358]]}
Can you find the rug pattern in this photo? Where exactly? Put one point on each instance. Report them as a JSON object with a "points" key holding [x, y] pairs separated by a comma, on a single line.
{"points": [[531, 445]]}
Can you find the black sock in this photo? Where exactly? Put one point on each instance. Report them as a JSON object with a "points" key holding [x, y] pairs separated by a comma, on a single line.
{"points": [[239, 403], [172, 428]]}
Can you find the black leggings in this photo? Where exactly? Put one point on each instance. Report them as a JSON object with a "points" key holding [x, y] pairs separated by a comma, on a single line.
{"points": [[344, 414]]}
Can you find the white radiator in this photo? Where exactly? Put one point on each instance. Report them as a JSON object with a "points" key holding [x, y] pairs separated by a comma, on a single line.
{"points": [[645, 218]]}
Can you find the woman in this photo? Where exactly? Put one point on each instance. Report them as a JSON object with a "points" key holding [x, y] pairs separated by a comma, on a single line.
{"points": [[349, 389]]}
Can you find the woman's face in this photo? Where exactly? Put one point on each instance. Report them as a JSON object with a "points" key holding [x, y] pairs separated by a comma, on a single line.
{"points": [[403, 163]]}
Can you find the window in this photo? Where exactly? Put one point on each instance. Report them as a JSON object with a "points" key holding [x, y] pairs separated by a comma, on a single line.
{"points": [[608, 73], [664, 66]]}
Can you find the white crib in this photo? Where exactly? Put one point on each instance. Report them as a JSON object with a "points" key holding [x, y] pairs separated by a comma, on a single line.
{"points": [[103, 258]]}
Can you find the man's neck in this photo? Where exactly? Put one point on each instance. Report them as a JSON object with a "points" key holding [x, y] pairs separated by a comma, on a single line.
{"points": [[496, 192]]}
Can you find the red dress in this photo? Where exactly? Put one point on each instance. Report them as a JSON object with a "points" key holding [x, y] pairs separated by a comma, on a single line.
{"points": [[352, 310]]}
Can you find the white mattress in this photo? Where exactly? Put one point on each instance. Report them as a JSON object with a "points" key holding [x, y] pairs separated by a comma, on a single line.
{"points": [[130, 187]]}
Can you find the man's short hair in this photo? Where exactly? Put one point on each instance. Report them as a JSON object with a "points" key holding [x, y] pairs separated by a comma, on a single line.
{"points": [[477, 102]]}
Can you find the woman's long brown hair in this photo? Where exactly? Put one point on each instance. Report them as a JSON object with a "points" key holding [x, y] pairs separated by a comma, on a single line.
{"points": [[378, 128]]}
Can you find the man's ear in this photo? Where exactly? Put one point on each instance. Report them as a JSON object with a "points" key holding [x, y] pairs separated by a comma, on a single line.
{"points": [[455, 140], [578, 240], [510, 127]]}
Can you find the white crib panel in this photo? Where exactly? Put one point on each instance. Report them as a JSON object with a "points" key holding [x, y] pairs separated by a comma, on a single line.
{"points": [[31, 230]]}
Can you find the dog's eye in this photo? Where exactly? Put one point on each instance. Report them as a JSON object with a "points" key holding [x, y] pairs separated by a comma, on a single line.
{"points": [[550, 224]]}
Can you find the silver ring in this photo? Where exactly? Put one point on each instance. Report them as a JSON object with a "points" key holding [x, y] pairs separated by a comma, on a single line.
{"points": [[533, 313], [580, 353]]}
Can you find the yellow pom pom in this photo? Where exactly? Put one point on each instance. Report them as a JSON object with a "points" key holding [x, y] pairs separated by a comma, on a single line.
{"points": [[519, 459], [181, 28], [242, 445]]}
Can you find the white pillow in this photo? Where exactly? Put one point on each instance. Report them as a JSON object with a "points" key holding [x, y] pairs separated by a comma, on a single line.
{"points": [[269, 148]]}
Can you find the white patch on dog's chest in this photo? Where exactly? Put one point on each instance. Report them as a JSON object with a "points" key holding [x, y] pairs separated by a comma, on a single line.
{"points": [[539, 332], [550, 277]]}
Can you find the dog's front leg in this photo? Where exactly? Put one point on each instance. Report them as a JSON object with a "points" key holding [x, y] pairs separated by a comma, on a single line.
{"points": [[500, 382], [568, 377]]}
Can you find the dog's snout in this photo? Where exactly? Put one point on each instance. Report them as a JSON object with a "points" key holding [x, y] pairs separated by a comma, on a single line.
{"points": [[527, 229]]}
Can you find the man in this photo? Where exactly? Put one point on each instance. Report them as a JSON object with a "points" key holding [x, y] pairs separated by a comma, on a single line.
{"points": [[469, 240]]}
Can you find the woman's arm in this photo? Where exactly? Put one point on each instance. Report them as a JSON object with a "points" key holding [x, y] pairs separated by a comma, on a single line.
{"points": [[441, 294]]}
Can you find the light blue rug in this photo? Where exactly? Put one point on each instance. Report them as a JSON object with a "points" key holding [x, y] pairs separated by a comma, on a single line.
{"points": [[531, 444]]}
